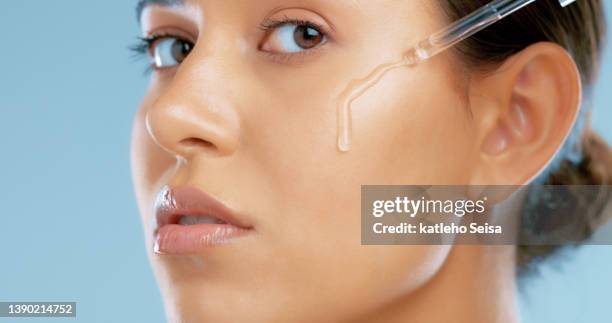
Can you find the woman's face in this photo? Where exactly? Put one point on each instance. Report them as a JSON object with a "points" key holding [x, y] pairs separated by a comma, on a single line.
{"points": [[242, 106]]}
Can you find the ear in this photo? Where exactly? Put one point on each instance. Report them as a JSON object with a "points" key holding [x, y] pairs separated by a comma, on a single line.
{"points": [[523, 112]]}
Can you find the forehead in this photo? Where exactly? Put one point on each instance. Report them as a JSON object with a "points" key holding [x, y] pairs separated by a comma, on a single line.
{"points": [[361, 5]]}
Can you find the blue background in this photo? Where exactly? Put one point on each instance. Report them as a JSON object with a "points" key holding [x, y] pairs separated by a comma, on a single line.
{"points": [[70, 230]]}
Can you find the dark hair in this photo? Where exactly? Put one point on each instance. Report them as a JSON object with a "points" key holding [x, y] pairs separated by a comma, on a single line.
{"points": [[586, 159]]}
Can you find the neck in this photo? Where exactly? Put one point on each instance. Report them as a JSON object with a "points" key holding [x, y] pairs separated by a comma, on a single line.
{"points": [[475, 285]]}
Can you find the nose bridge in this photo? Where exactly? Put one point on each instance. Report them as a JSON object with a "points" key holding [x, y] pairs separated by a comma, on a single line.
{"points": [[197, 111]]}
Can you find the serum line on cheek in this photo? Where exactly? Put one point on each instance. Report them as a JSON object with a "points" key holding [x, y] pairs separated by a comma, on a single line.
{"points": [[354, 90]]}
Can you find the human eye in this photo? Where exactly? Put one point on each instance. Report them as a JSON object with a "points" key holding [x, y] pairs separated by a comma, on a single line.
{"points": [[164, 51], [292, 36]]}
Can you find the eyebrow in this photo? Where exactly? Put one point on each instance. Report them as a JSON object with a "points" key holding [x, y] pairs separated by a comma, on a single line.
{"points": [[143, 4]]}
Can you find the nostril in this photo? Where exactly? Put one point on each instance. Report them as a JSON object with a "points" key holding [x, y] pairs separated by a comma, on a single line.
{"points": [[197, 143]]}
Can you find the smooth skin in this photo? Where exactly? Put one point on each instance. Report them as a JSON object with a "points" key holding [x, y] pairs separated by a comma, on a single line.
{"points": [[257, 130]]}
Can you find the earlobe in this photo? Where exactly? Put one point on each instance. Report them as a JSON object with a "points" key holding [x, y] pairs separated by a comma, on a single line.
{"points": [[524, 111]]}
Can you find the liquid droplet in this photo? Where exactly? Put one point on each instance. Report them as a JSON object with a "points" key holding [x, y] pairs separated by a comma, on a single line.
{"points": [[354, 90]]}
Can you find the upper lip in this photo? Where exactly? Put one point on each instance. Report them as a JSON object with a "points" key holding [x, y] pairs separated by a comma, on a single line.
{"points": [[174, 202]]}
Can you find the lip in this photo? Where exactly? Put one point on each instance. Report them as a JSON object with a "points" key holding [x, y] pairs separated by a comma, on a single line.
{"points": [[174, 238]]}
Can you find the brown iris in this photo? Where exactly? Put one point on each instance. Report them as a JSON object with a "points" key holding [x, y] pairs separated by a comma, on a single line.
{"points": [[180, 50], [307, 37]]}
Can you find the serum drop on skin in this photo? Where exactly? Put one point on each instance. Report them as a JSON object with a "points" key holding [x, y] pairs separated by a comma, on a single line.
{"points": [[355, 89]]}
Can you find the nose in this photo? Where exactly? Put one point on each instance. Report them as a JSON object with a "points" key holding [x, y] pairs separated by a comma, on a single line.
{"points": [[193, 115]]}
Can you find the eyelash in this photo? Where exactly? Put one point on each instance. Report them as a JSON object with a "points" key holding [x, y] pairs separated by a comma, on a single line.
{"points": [[271, 24], [143, 45]]}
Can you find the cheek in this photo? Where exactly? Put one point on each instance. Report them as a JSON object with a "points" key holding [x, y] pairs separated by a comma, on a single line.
{"points": [[410, 126]]}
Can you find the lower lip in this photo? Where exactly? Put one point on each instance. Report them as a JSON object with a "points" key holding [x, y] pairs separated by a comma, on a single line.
{"points": [[176, 239]]}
